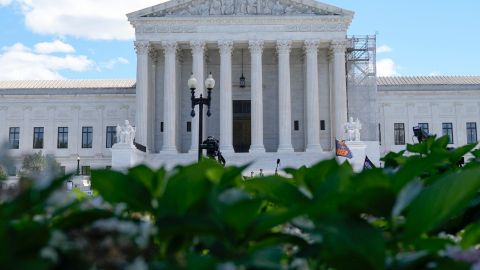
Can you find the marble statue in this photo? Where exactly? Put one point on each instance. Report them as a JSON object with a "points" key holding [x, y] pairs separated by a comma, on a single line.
{"points": [[352, 130], [125, 134]]}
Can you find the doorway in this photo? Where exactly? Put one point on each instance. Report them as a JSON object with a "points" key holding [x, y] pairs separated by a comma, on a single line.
{"points": [[241, 126]]}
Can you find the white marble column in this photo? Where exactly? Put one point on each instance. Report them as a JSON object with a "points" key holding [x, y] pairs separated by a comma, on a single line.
{"points": [[141, 115], [312, 97], [170, 98], [284, 97], [256, 49], [226, 114], [152, 100], [198, 63], [339, 87]]}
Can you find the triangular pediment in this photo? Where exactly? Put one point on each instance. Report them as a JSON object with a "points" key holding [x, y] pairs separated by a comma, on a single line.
{"points": [[179, 8]]}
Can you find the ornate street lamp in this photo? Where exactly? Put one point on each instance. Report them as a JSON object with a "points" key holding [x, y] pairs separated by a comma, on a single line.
{"points": [[209, 84], [78, 165]]}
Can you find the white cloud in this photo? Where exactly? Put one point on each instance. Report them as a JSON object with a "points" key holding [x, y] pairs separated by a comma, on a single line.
{"points": [[91, 19], [383, 49], [56, 46], [5, 2], [110, 64], [386, 67], [19, 62]]}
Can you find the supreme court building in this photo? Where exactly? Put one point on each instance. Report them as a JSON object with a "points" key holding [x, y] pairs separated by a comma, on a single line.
{"points": [[298, 66]]}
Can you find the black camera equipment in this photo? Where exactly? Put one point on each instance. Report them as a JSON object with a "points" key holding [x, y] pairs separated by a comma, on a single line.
{"points": [[420, 134], [212, 146]]}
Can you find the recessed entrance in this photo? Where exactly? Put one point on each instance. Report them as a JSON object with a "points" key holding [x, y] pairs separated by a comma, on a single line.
{"points": [[241, 126]]}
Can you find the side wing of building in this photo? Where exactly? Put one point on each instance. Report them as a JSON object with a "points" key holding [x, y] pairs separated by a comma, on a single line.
{"points": [[441, 105], [66, 118]]}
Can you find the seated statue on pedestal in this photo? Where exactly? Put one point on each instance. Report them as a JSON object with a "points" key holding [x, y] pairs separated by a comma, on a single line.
{"points": [[352, 130], [125, 133]]}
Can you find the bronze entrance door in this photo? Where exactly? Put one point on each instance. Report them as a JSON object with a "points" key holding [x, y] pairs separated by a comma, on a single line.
{"points": [[241, 126]]}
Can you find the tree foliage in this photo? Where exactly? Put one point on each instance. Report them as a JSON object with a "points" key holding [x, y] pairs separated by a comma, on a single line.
{"points": [[421, 211], [37, 163]]}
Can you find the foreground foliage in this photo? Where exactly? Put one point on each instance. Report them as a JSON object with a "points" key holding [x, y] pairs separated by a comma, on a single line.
{"points": [[421, 211]]}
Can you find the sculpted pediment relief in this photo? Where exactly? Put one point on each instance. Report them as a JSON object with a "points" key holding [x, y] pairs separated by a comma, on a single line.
{"points": [[240, 7]]}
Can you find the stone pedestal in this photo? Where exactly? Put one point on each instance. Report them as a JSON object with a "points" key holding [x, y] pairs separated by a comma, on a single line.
{"points": [[125, 156], [358, 152]]}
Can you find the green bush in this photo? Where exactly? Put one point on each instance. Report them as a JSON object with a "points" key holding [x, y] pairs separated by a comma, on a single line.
{"points": [[421, 211]]}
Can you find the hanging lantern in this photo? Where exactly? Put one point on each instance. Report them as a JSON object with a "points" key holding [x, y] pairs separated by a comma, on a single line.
{"points": [[242, 78]]}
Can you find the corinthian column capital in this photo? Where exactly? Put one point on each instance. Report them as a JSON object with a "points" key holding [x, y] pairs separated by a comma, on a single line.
{"points": [[338, 46], [255, 46], [225, 46], [198, 46], [169, 47], [311, 46], [284, 46], [142, 47]]}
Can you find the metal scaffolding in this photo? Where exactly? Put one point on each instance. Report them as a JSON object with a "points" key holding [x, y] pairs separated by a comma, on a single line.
{"points": [[362, 83], [361, 59]]}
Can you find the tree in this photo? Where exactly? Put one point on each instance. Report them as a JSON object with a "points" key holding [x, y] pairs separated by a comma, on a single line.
{"points": [[3, 174], [37, 163]]}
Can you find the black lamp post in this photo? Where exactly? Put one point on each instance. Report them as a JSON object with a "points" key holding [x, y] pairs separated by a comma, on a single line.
{"points": [[209, 84], [78, 165]]}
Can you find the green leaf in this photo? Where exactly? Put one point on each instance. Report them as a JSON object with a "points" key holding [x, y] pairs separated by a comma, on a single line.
{"points": [[471, 236], [445, 198], [351, 244], [406, 196], [241, 214], [276, 189], [186, 188], [78, 219], [116, 187]]}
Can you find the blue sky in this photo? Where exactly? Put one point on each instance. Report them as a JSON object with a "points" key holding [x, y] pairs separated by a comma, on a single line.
{"points": [[91, 39]]}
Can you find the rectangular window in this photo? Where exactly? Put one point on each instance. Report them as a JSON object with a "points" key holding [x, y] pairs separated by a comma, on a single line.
{"points": [[12, 171], [471, 132], [399, 132], [189, 126], [111, 136], [161, 126], [37, 137], [85, 170], [14, 138], [296, 125], [322, 124], [447, 129], [87, 134], [62, 138], [424, 127]]}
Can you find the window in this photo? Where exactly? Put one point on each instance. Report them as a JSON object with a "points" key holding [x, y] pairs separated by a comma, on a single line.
{"points": [[161, 126], [296, 125], [87, 133], [424, 127], [12, 171], [447, 129], [111, 136], [62, 138], [189, 126], [37, 137], [471, 132], [85, 170], [322, 124], [399, 132], [14, 138], [108, 167], [379, 134]]}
